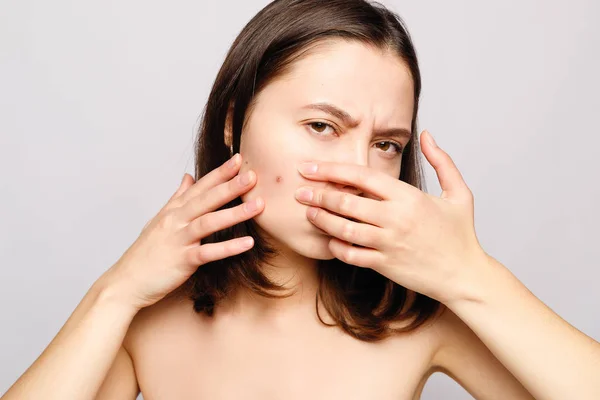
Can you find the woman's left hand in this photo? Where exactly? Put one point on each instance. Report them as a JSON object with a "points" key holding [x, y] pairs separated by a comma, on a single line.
{"points": [[422, 242]]}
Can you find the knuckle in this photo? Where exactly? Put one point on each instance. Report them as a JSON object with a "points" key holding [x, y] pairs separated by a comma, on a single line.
{"points": [[348, 231], [168, 219], [345, 203], [177, 202], [198, 256], [348, 255], [194, 228], [189, 256], [184, 198], [318, 197], [202, 225]]}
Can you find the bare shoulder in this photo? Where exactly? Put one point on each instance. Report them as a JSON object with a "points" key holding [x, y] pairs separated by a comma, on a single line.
{"points": [[159, 321], [460, 354]]}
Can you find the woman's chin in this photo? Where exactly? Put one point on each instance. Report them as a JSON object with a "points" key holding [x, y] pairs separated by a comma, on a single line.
{"points": [[317, 247], [304, 239]]}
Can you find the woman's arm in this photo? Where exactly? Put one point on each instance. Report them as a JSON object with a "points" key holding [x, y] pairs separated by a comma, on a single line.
{"points": [[76, 362], [163, 257], [552, 359], [120, 382]]}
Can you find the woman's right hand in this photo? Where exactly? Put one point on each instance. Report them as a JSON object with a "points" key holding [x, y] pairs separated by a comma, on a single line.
{"points": [[168, 250]]}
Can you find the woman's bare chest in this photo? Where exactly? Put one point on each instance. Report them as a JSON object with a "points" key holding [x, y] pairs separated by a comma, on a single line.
{"points": [[238, 363]]}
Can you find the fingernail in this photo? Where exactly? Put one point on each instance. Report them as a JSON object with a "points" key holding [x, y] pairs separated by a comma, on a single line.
{"points": [[304, 194], [307, 168], [253, 205], [246, 178], [234, 160], [247, 242]]}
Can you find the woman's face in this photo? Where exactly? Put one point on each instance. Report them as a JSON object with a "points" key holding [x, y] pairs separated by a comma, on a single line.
{"points": [[374, 88]]}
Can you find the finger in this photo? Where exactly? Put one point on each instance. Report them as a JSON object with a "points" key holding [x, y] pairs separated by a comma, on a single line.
{"points": [[202, 254], [361, 257], [183, 186], [217, 196], [343, 203], [451, 180], [221, 174], [368, 179], [344, 229], [221, 219]]}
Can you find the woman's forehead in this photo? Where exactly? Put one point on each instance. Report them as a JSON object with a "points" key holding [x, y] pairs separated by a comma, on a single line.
{"points": [[357, 78]]}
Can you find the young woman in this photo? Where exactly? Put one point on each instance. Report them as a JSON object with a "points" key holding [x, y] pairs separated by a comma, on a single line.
{"points": [[269, 278]]}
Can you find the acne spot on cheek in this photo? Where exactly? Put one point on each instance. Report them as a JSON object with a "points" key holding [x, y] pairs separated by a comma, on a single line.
{"points": [[278, 179]]}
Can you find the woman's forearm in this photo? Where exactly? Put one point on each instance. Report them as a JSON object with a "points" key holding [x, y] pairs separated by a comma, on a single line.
{"points": [[76, 361], [551, 358]]}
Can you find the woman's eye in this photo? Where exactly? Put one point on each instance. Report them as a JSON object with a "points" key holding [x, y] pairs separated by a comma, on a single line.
{"points": [[320, 126], [387, 145]]}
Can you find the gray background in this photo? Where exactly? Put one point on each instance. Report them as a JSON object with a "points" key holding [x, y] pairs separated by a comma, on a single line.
{"points": [[99, 102]]}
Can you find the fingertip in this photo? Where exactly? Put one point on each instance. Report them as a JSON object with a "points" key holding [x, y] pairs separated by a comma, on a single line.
{"points": [[234, 161], [430, 139], [247, 242]]}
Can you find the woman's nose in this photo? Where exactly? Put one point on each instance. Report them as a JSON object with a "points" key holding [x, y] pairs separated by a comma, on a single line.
{"points": [[357, 158], [356, 153]]}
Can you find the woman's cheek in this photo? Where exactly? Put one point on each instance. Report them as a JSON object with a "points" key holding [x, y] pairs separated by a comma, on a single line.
{"points": [[275, 159]]}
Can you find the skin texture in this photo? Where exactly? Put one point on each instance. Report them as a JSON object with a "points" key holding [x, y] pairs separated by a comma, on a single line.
{"points": [[376, 89]]}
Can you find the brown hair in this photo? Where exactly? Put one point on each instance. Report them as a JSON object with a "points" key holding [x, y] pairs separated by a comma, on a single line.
{"points": [[360, 300]]}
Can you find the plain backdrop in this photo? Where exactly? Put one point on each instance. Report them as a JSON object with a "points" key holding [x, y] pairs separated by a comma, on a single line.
{"points": [[100, 102]]}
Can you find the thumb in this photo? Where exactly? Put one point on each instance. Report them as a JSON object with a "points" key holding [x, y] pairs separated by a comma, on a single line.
{"points": [[451, 180]]}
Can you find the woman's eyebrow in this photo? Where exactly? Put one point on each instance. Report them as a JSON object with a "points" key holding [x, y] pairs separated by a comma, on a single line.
{"points": [[348, 120]]}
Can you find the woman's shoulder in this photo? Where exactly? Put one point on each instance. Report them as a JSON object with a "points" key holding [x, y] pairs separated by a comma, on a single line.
{"points": [[174, 317], [164, 318]]}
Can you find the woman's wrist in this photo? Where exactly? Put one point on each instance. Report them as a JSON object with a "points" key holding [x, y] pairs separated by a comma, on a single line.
{"points": [[480, 278], [109, 292]]}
